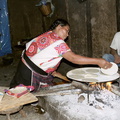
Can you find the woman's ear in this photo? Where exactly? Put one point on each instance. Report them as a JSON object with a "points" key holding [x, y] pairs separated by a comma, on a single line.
{"points": [[59, 27]]}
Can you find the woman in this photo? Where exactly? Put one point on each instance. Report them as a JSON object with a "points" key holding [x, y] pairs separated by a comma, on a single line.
{"points": [[43, 54]]}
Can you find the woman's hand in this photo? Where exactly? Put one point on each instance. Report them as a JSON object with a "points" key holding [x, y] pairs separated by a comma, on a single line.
{"points": [[104, 64]]}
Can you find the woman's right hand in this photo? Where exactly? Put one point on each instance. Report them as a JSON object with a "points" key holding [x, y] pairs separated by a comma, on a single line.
{"points": [[104, 64]]}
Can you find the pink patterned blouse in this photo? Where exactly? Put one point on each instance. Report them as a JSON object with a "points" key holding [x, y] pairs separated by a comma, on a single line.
{"points": [[46, 51]]}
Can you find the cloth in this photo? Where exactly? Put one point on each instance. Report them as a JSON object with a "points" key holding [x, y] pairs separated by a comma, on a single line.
{"points": [[40, 48], [14, 94], [40, 81], [26, 76], [31, 65], [116, 42], [22, 75], [39, 78]]}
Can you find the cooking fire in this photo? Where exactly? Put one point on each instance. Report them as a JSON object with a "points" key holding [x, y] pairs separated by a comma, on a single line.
{"points": [[101, 86], [90, 96], [94, 91], [104, 104]]}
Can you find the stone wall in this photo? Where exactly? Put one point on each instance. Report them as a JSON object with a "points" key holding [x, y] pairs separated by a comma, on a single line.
{"points": [[93, 24]]}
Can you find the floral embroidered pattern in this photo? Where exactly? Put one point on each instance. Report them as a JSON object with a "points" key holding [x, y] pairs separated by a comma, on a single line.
{"points": [[43, 42], [54, 36], [62, 48], [32, 50]]}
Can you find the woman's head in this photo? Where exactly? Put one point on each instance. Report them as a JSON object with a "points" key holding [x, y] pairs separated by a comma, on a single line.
{"points": [[61, 28], [60, 22]]}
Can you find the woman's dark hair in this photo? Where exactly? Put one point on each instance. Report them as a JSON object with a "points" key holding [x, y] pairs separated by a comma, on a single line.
{"points": [[57, 22]]}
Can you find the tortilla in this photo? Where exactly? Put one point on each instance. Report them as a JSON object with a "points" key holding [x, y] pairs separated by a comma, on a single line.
{"points": [[76, 76], [78, 72], [90, 75], [18, 89], [110, 71], [89, 80], [92, 70]]}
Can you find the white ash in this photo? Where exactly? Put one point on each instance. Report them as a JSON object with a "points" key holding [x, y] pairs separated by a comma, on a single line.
{"points": [[102, 106]]}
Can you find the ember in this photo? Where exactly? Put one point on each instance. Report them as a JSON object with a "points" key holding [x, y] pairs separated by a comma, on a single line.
{"points": [[108, 85], [101, 86]]}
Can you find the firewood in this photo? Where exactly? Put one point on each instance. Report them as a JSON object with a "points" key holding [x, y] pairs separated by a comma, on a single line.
{"points": [[83, 87], [115, 90], [66, 92], [54, 90]]}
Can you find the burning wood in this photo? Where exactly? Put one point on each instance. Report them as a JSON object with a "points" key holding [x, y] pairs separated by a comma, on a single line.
{"points": [[108, 85], [74, 88], [97, 87], [111, 87]]}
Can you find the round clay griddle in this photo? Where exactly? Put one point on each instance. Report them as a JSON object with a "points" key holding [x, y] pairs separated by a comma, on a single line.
{"points": [[90, 74]]}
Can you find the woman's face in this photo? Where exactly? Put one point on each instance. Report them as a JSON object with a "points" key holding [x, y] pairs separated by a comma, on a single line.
{"points": [[62, 31]]}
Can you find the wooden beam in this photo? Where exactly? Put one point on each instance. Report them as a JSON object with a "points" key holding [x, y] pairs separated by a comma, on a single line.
{"points": [[115, 90]]}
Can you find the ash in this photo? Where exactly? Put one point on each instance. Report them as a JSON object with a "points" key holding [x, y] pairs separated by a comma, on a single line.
{"points": [[102, 105], [101, 99]]}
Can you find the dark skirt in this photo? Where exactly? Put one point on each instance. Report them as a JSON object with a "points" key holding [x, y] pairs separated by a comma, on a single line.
{"points": [[28, 77], [22, 75]]}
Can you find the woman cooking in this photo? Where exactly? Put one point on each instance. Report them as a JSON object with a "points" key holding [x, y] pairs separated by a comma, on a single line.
{"points": [[43, 54]]}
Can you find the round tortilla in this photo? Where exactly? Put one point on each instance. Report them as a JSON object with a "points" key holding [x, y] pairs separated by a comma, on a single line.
{"points": [[110, 71], [78, 72], [87, 75], [92, 70], [89, 80], [76, 76], [18, 89]]}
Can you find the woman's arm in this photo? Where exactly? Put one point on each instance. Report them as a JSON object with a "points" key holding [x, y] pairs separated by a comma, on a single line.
{"points": [[77, 59]]}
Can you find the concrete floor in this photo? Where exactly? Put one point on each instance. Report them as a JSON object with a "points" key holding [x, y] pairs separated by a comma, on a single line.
{"points": [[30, 115]]}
